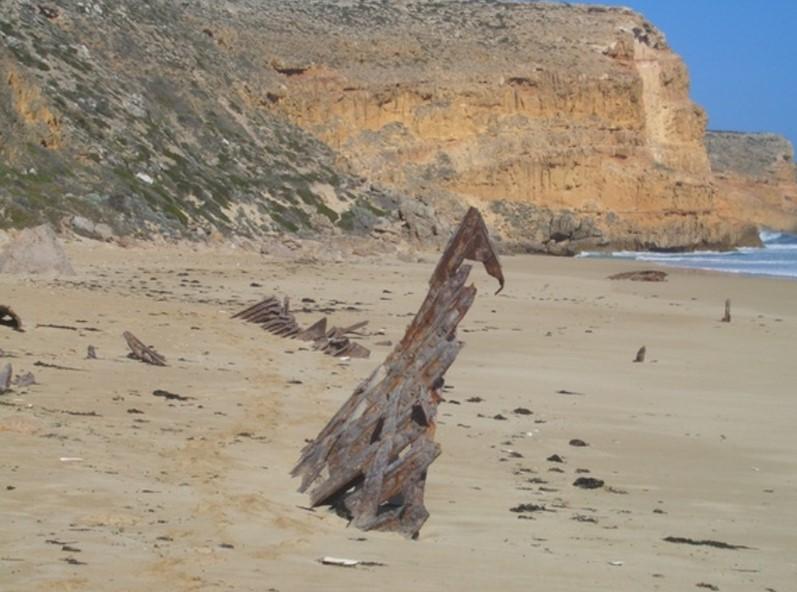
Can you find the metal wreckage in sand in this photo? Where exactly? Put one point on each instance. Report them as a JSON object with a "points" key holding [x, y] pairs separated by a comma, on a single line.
{"points": [[370, 462]]}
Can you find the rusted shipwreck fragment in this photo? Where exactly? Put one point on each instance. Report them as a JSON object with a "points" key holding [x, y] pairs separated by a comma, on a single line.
{"points": [[141, 352], [314, 332], [272, 316], [370, 462], [279, 320], [336, 342]]}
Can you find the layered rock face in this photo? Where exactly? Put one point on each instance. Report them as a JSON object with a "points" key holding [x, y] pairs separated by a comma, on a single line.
{"points": [[756, 177], [570, 127]]}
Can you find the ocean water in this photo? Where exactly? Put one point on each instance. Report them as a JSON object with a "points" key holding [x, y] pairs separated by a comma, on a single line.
{"points": [[777, 258]]}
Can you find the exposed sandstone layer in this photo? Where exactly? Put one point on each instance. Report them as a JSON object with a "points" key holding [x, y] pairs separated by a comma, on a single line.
{"points": [[573, 125], [756, 177]]}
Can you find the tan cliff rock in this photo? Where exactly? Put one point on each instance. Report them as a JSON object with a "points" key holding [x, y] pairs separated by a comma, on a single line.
{"points": [[569, 126], [532, 111], [756, 177]]}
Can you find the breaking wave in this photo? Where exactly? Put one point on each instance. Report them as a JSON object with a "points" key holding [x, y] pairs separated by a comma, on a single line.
{"points": [[777, 257]]}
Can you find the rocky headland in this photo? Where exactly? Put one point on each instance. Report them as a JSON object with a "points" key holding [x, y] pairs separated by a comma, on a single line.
{"points": [[570, 126]]}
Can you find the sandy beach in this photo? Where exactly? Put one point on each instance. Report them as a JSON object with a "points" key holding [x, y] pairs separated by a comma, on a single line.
{"points": [[104, 486]]}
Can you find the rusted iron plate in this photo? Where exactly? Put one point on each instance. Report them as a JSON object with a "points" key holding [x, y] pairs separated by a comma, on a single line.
{"points": [[370, 461]]}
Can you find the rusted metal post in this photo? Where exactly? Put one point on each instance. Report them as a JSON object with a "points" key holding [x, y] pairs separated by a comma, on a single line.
{"points": [[640, 355], [370, 461], [726, 318]]}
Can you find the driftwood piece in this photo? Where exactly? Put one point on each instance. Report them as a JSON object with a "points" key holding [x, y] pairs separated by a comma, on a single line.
{"points": [[370, 461], [726, 318], [139, 351], [5, 378], [640, 355], [9, 318]]}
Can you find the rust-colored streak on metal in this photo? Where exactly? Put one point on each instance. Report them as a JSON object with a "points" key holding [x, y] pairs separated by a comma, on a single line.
{"points": [[370, 461], [471, 241]]}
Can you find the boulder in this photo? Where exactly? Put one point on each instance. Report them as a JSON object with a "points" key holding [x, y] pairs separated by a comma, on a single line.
{"points": [[35, 250], [85, 227], [419, 219]]}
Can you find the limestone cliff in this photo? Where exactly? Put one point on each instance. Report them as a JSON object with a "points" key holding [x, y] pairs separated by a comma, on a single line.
{"points": [[756, 177], [570, 126]]}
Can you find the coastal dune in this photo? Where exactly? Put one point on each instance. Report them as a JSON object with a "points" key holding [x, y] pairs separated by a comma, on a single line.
{"points": [[106, 486]]}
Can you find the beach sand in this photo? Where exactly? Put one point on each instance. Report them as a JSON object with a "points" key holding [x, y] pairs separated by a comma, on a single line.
{"points": [[697, 442]]}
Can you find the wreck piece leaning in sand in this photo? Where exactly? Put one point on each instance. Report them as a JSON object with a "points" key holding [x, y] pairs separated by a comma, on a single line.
{"points": [[370, 461]]}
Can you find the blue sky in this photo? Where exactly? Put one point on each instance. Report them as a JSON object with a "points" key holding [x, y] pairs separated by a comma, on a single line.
{"points": [[741, 54]]}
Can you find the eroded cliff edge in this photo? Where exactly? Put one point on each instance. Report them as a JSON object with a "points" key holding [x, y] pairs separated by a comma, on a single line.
{"points": [[570, 126], [756, 177]]}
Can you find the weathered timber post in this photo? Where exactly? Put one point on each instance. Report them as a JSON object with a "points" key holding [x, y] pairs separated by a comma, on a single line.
{"points": [[370, 461]]}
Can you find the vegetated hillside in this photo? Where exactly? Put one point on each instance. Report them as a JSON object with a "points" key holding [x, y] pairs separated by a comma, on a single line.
{"points": [[128, 113], [756, 177], [571, 127]]}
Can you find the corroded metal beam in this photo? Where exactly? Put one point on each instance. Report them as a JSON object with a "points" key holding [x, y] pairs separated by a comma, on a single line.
{"points": [[370, 461]]}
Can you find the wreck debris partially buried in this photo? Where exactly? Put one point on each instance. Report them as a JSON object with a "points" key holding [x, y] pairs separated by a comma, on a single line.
{"points": [[274, 317], [141, 352], [277, 318], [370, 462]]}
